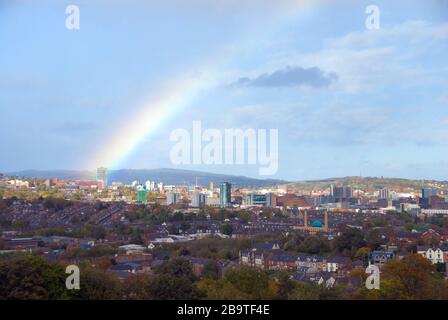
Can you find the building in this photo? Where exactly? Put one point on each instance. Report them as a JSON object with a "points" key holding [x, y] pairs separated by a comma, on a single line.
{"points": [[379, 258], [271, 200], [428, 192], [101, 175], [254, 259], [435, 255], [316, 226], [86, 185], [142, 196], [212, 202], [197, 200], [256, 199], [150, 185], [264, 200], [384, 194], [225, 193], [282, 262], [434, 212], [341, 193], [172, 198], [291, 200]]}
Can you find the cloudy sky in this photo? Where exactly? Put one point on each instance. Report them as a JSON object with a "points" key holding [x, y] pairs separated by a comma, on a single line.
{"points": [[346, 100]]}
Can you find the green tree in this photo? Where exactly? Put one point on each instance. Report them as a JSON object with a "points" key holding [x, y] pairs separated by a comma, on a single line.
{"points": [[314, 245], [227, 229], [349, 241], [30, 277], [97, 285], [252, 282], [174, 281], [305, 291], [413, 277]]}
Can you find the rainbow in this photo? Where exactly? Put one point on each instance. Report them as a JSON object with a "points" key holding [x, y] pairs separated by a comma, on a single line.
{"points": [[179, 94]]}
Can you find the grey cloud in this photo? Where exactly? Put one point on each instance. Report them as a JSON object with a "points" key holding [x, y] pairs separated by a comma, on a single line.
{"points": [[291, 77]]}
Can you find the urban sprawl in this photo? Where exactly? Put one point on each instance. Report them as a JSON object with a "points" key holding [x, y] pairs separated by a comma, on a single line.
{"points": [[148, 240]]}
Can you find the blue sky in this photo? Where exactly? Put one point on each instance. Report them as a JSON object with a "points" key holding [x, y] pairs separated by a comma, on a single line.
{"points": [[346, 100]]}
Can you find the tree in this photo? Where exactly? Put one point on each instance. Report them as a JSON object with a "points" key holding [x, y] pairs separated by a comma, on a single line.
{"points": [[165, 287], [305, 291], [30, 277], [99, 232], [349, 241], [97, 285], [240, 284], [137, 287], [252, 282], [413, 277], [178, 267], [314, 245], [284, 286], [374, 240], [174, 281], [244, 216], [210, 270], [227, 229], [362, 254]]}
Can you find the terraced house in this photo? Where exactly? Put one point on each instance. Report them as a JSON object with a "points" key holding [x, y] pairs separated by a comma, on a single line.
{"points": [[437, 254]]}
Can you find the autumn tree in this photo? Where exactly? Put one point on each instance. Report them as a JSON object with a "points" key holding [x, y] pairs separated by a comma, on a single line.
{"points": [[413, 277], [241, 283], [174, 281], [30, 278]]}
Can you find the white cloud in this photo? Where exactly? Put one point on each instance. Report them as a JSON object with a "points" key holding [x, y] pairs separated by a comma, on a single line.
{"points": [[364, 60]]}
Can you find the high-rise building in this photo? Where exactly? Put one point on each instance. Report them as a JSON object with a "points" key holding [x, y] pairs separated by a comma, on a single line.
{"points": [[271, 200], [101, 175], [384, 194], [428, 192], [197, 200], [172, 198], [150, 185], [225, 193], [142, 196], [341, 193]]}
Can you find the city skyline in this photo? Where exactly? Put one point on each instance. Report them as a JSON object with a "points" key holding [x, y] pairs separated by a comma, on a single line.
{"points": [[347, 101], [246, 155]]}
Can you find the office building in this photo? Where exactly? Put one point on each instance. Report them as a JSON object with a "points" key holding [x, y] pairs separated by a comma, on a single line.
{"points": [[142, 196], [428, 192], [225, 193], [172, 198], [101, 175], [341, 193], [197, 200], [384, 194], [256, 199]]}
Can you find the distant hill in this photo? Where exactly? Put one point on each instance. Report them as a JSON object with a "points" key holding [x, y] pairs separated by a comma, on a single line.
{"points": [[167, 176], [368, 184]]}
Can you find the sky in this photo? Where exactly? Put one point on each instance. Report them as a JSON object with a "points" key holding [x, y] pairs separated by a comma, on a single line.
{"points": [[346, 100]]}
